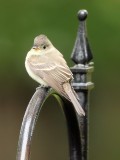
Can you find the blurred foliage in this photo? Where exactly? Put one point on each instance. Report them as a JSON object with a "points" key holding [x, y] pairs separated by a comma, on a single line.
{"points": [[21, 21]]}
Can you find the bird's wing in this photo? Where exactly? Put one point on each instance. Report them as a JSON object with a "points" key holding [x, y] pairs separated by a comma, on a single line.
{"points": [[52, 71]]}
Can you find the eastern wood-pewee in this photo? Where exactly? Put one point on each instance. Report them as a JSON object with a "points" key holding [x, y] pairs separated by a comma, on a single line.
{"points": [[46, 65]]}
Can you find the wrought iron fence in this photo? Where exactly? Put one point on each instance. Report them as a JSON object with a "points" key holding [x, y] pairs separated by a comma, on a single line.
{"points": [[77, 125]]}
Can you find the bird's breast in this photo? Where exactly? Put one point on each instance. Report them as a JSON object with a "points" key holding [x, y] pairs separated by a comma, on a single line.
{"points": [[34, 76]]}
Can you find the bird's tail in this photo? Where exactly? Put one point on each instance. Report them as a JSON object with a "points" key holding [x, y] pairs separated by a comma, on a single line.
{"points": [[73, 99]]}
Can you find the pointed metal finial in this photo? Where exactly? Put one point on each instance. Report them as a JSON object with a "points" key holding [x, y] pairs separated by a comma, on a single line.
{"points": [[81, 52]]}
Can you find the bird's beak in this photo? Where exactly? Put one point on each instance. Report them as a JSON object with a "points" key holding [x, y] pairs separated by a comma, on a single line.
{"points": [[36, 48]]}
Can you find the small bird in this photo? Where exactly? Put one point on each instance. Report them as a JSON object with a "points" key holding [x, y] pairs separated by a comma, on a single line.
{"points": [[46, 65]]}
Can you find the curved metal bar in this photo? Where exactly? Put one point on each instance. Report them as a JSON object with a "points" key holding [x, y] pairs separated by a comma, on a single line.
{"points": [[31, 116], [72, 127], [29, 121]]}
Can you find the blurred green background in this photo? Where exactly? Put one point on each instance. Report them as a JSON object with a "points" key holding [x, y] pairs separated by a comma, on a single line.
{"points": [[21, 21]]}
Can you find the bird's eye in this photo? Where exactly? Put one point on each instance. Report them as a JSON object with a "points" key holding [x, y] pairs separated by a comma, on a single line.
{"points": [[44, 47]]}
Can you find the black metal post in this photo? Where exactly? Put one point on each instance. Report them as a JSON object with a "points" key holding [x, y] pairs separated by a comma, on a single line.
{"points": [[82, 55]]}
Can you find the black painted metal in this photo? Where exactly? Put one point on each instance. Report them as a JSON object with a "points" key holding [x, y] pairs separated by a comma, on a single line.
{"points": [[29, 121], [77, 126], [82, 55], [73, 129]]}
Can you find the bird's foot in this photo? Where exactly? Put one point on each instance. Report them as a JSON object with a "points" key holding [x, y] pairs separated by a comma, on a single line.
{"points": [[42, 86]]}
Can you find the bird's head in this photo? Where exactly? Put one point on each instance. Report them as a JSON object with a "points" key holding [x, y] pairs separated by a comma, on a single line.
{"points": [[41, 46], [41, 43]]}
